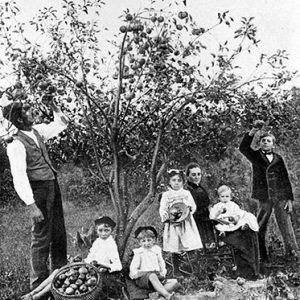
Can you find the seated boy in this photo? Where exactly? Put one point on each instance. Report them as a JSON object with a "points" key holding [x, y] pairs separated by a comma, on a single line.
{"points": [[148, 268], [103, 252], [104, 249]]}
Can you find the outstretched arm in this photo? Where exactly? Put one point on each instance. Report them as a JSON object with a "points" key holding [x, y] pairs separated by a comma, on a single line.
{"points": [[60, 123], [245, 146]]}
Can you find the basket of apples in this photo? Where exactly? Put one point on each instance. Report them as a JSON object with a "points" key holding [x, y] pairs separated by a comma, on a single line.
{"points": [[77, 281]]}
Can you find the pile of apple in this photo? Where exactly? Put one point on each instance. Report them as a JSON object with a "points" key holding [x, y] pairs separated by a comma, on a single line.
{"points": [[76, 280]]}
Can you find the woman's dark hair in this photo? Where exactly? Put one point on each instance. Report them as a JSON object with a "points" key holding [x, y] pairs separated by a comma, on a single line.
{"points": [[190, 166]]}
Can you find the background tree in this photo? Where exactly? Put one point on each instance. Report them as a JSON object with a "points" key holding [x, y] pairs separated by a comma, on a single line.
{"points": [[158, 104]]}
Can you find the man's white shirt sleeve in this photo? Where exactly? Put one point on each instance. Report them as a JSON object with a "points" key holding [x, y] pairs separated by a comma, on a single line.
{"points": [[48, 131], [17, 158]]}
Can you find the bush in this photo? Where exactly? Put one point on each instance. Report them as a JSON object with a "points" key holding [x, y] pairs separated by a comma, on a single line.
{"points": [[8, 196], [80, 188]]}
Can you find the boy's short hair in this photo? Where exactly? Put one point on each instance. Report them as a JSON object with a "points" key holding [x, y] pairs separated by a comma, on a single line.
{"points": [[106, 221], [191, 166], [145, 231], [224, 188], [264, 134]]}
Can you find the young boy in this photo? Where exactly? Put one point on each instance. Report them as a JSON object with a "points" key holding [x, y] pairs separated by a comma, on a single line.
{"points": [[104, 251], [271, 187], [148, 268]]}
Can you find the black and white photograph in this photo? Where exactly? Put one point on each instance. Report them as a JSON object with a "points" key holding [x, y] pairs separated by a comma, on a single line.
{"points": [[149, 149]]}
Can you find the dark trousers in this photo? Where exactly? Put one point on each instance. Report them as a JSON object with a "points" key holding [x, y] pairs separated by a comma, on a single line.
{"points": [[284, 223], [48, 237]]}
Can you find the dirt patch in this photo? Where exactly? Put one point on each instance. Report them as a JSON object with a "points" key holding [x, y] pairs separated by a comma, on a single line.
{"points": [[238, 289]]}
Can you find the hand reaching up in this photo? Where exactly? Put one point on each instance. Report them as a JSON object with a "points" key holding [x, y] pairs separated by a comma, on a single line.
{"points": [[257, 125]]}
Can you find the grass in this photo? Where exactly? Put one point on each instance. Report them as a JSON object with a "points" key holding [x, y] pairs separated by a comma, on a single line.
{"points": [[15, 244], [15, 229], [15, 233]]}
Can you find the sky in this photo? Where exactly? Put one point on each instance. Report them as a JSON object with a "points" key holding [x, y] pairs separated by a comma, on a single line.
{"points": [[277, 21]]}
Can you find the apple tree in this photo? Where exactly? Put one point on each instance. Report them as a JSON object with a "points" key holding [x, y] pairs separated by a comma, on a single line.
{"points": [[163, 93]]}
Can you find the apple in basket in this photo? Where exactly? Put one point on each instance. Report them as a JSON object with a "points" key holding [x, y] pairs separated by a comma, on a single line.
{"points": [[76, 280]]}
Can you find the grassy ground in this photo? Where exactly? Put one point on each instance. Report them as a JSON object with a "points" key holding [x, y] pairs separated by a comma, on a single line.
{"points": [[15, 242]]}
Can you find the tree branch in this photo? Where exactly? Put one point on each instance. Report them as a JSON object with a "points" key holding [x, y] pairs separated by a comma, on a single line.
{"points": [[93, 143]]}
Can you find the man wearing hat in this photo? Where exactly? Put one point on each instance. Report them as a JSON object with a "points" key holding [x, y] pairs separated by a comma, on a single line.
{"points": [[35, 182], [272, 189]]}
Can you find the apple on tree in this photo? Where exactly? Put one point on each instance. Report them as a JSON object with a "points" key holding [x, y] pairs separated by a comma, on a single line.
{"points": [[129, 17], [258, 124]]}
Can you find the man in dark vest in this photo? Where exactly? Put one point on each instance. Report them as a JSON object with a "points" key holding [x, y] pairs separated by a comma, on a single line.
{"points": [[36, 184]]}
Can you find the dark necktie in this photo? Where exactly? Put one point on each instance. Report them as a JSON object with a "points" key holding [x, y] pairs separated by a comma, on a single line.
{"points": [[267, 152]]}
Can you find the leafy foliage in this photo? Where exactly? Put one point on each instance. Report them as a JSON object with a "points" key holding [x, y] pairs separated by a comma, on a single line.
{"points": [[158, 105]]}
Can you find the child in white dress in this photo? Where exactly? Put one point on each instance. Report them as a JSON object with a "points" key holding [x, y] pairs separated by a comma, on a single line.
{"points": [[229, 215], [176, 211]]}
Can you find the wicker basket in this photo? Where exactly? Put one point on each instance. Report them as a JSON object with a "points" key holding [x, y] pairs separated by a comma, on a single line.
{"points": [[90, 295]]}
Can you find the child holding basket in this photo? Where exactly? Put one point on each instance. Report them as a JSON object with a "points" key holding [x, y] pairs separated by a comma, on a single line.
{"points": [[176, 211]]}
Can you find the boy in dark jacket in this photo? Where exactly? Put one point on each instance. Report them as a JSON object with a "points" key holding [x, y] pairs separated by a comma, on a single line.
{"points": [[271, 187]]}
